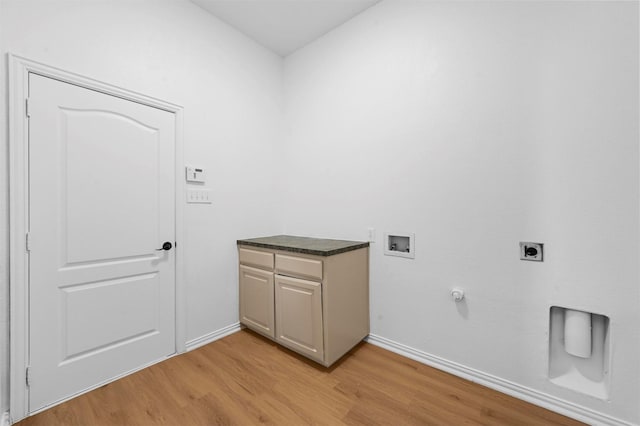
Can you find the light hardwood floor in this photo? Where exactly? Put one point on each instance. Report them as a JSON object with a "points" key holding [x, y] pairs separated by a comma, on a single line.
{"points": [[245, 379]]}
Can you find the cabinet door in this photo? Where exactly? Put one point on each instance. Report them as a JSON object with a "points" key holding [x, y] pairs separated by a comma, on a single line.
{"points": [[256, 300], [299, 316]]}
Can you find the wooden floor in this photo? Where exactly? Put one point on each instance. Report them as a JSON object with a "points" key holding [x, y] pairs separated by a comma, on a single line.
{"points": [[245, 379]]}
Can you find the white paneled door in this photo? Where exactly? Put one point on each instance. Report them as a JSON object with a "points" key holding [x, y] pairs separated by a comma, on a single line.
{"points": [[102, 205]]}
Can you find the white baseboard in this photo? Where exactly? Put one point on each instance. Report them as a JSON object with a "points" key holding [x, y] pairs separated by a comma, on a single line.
{"points": [[532, 396], [4, 419], [213, 336]]}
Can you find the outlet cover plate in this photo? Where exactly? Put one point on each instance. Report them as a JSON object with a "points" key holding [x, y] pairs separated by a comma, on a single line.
{"points": [[531, 251]]}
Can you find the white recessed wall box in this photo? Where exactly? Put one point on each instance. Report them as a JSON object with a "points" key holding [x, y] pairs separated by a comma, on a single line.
{"points": [[580, 344], [400, 244]]}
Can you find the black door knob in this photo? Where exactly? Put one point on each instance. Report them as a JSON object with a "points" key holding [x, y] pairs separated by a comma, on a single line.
{"points": [[530, 251], [165, 246]]}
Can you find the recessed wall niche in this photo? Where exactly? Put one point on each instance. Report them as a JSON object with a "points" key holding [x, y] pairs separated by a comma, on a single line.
{"points": [[579, 357], [400, 244]]}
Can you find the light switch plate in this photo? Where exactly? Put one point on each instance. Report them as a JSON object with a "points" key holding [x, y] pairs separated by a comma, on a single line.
{"points": [[531, 251], [199, 196]]}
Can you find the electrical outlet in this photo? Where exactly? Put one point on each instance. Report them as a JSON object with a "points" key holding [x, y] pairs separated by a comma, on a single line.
{"points": [[531, 251], [372, 235]]}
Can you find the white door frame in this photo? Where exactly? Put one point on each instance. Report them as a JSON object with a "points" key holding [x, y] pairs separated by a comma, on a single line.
{"points": [[19, 69]]}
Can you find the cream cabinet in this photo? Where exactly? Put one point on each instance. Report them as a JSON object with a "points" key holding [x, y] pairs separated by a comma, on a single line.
{"points": [[256, 300], [299, 316], [314, 304]]}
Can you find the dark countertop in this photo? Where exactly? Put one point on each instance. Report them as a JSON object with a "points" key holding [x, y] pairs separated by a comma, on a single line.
{"points": [[304, 245]]}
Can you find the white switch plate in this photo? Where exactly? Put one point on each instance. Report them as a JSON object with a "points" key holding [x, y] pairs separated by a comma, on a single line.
{"points": [[199, 196]]}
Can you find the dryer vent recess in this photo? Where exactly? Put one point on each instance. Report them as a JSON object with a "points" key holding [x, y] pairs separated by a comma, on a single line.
{"points": [[399, 244], [580, 351]]}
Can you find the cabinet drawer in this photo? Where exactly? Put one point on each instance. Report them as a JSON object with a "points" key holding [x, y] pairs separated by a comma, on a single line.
{"points": [[256, 258], [299, 266]]}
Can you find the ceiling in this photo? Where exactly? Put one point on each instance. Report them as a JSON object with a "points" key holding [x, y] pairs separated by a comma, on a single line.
{"points": [[284, 26]]}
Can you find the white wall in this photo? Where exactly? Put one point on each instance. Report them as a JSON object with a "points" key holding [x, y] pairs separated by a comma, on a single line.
{"points": [[474, 125], [478, 125], [231, 90]]}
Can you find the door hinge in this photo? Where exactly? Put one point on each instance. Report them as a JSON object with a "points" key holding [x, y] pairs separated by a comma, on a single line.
{"points": [[26, 107], [28, 376], [27, 240]]}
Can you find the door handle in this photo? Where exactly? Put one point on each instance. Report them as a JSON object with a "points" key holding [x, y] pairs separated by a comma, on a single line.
{"points": [[165, 246]]}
